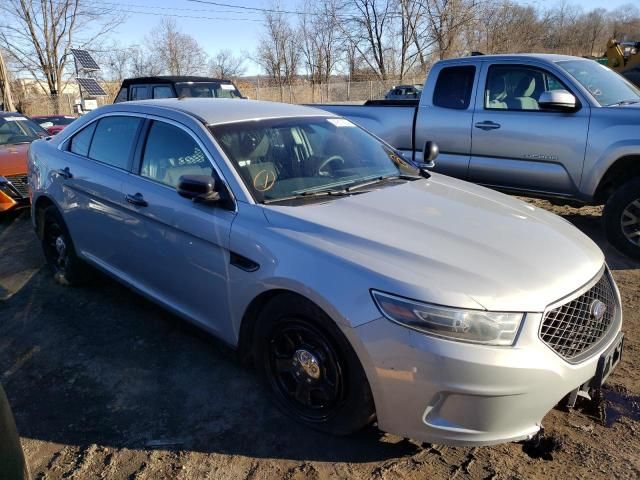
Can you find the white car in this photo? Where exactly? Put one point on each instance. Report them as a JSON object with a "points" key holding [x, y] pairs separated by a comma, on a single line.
{"points": [[363, 287]]}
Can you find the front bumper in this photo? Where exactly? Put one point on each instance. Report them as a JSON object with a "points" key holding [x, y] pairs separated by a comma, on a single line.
{"points": [[10, 196], [447, 392]]}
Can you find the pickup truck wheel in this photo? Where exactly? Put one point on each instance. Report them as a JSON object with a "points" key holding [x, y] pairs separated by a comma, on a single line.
{"points": [[310, 367], [58, 249], [621, 218]]}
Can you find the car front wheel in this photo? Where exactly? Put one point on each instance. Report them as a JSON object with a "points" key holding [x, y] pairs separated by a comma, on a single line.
{"points": [[310, 367], [622, 218]]}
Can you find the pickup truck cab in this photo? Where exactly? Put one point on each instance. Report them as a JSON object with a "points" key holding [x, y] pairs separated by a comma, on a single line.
{"points": [[146, 88], [543, 125]]}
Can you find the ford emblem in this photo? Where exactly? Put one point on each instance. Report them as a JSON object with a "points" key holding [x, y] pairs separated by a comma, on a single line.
{"points": [[598, 310]]}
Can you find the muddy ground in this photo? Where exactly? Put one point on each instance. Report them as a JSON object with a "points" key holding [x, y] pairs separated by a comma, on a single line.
{"points": [[104, 384]]}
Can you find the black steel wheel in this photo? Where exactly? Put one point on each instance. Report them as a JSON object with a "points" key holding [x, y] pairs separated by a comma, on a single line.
{"points": [[305, 369], [58, 249], [310, 367]]}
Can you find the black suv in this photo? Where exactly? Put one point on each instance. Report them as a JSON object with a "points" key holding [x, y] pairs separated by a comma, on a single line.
{"points": [[144, 88]]}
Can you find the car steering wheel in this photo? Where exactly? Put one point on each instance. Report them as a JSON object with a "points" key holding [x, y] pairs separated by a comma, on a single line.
{"points": [[332, 158]]}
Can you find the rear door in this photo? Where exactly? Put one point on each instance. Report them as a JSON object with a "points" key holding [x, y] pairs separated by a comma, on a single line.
{"points": [[179, 248], [91, 172], [445, 115], [516, 144]]}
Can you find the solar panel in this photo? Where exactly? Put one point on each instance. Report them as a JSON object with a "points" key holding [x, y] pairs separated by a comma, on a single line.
{"points": [[85, 60], [91, 87]]}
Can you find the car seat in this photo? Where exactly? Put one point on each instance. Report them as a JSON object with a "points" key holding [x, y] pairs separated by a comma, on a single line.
{"points": [[522, 95], [497, 92]]}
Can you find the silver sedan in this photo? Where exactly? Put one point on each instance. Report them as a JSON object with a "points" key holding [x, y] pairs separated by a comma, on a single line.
{"points": [[363, 288]]}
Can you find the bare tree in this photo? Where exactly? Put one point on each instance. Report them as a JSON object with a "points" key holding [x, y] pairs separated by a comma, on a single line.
{"points": [[39, 35], [143, 63], [226, 65], [278, 52], [177, 53]]}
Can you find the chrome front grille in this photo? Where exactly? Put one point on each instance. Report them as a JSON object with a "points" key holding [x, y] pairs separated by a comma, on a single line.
{"points": [[572, 328], [19, 183]]}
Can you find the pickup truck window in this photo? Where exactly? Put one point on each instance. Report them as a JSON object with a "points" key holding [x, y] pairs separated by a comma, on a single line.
{"points": [[163, 91], [607, 87], [453, 87], [139, 92], [517, 87], [289, 157]]}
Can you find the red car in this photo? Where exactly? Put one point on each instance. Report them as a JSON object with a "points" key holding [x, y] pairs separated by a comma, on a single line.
{"points": [[53, 123]]}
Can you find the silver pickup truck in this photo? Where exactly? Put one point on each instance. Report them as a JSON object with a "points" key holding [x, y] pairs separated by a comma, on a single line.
{"points": [[551, 126]]}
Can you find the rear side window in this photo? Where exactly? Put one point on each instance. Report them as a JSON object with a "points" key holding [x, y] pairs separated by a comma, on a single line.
{"points": [[139, 93], [122, 95], [163, 91], [113, 140], [453, 87], [81, 140]]}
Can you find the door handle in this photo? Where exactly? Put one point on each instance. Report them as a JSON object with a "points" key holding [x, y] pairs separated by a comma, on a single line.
{"points": [[65, 173], [137, 200], [488, 125]]}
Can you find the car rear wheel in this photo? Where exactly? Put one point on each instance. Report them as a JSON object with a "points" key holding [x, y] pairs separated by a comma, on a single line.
{"points": [[58, 249], [622, 218], [310, 367]]}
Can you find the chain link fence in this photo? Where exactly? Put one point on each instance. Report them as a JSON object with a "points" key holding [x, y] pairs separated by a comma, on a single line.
{"points": [[333, 92], [304, 92], [64, 104]]}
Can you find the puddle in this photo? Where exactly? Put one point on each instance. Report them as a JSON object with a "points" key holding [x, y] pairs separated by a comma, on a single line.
{"points": [[617, 404]]}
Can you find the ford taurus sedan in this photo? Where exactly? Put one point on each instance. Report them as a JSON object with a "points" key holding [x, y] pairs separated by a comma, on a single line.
{"points": [[363, 288]]}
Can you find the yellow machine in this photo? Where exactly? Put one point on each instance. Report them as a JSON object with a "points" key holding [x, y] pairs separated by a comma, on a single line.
{"points": [[624, 58]]}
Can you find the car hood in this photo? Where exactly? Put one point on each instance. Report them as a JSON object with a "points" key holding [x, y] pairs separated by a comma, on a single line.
{"points": [[13, 159], [450, 242]]}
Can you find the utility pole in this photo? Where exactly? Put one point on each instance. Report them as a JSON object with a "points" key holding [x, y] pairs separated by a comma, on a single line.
{"points": [[7, 100]]}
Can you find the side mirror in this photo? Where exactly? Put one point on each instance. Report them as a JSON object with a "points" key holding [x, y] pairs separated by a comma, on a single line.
{"points": [[429, 154], [560, 100], [199, 188]]}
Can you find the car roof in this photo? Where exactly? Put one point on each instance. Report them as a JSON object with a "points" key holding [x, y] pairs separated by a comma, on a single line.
{"points": [[11, 114], [214, 111], [170, 79], [549, 57]]}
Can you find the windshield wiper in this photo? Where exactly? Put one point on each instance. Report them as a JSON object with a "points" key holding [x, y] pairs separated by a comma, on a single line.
{"points": [[623, 102], [313, 193], [373, 181]]}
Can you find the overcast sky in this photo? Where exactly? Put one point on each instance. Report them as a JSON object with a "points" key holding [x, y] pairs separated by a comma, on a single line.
{"points": [[217, 27]]}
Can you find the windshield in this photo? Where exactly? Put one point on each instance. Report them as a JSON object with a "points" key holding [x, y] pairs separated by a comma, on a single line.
{"points": [[18, 129], [207, 90], [606, 86], [281, 158]]}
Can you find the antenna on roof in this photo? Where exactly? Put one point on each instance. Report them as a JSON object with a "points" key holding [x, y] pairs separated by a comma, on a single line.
{"points": [[476, 53]]}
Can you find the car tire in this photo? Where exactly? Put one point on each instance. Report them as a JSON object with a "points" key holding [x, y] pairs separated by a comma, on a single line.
{"points": [[311, 369], [59, 251], [621, 218]]}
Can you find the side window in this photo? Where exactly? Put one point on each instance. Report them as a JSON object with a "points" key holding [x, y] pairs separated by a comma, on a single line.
{"points": [[113, 140], [139, 93], [516, 87], [80, 141], [454, 86], [163, 91], [122, 95], [169, 153]]}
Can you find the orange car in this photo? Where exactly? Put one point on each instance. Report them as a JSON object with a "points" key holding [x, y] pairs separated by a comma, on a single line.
{"points": [[16, 133]]}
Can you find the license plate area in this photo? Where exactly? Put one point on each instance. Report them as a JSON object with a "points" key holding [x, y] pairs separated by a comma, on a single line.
{"points": [[608, 361]]}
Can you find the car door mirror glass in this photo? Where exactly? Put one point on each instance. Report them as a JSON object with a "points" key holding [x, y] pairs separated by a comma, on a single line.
{"points": [[199, 188], [561, 100]]}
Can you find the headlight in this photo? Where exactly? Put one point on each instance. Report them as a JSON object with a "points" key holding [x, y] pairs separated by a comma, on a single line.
{"points": [[475, 326]]}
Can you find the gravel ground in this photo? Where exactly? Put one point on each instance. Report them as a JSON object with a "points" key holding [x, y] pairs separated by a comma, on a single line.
{"points": [[104, 384]]}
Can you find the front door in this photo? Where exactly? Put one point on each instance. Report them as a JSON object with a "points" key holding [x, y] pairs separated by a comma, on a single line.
{"points": [[516, 144], [178, 248]]}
